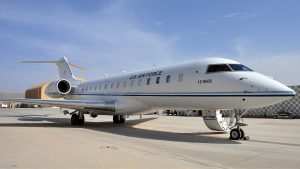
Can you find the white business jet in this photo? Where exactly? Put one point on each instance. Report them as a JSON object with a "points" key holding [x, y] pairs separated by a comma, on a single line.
{"points": [[209, 85]]}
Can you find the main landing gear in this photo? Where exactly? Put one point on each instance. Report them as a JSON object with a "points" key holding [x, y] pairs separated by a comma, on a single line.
{"points": [[236, 133], [77, 119], [119, 119]]}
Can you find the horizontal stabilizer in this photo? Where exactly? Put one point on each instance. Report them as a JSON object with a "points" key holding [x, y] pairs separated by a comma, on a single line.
{"points": [[54, 62], [64, 69]]}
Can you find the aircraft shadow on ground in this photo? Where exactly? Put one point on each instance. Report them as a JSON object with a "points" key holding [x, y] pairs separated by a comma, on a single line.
{"points": [[126, 129]]}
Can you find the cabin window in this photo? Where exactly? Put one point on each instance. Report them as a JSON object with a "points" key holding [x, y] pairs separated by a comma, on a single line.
{"points": [[95, 88], [100, 86], [157, 80], [148, 81], [140, 82], [91, 88], [105, 86], [168, 79], [131, 83], [82, 90], [180, 77], [239, 67], [218, 68], [124, 84], [118, 85], [112, 85]]}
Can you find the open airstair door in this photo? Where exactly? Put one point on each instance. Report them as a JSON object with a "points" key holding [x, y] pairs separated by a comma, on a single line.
{"points": [[214, 120]]}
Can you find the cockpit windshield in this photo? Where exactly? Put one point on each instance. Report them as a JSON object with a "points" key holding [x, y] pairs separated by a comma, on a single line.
{"points": [[226, 68], [239, 67], [218, 68]]}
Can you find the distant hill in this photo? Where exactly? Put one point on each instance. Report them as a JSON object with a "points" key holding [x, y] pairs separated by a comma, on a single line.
{"points": [[11, 95]]}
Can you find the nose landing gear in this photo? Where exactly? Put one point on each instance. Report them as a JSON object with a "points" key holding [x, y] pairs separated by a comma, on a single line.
{"points": [[236, 133]]}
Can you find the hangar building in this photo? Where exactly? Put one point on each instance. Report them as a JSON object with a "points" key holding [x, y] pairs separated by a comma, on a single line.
{"points": [[37, 92]]}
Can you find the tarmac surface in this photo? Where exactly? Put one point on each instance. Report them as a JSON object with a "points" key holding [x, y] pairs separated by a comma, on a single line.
{"points": [[44, 138]]}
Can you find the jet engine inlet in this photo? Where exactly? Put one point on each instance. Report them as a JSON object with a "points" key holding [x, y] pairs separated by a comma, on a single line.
{"points": [[63, 86]]}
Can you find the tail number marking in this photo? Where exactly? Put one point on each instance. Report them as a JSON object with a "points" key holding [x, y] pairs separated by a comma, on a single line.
{"points": [[204, 81]]}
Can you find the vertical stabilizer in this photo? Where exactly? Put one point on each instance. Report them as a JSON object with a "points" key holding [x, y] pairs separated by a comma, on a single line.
{"points": [[64, 69]]}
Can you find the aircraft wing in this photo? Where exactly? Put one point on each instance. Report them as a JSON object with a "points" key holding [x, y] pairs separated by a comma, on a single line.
{"points": [[71, 104]]}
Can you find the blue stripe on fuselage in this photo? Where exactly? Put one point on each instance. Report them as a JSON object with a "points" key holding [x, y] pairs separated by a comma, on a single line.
{"points": [[194, 94]]}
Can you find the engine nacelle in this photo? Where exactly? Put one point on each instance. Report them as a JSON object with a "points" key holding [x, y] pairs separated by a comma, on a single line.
{"points": [[59, 88]]}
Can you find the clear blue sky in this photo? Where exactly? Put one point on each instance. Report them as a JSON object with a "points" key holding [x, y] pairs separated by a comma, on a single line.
{"points": [[107, 37]]}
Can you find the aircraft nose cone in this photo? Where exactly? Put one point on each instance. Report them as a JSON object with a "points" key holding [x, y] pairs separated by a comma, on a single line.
{"points": [[274, 86], [291, 91], [282, 89], [279, 92]]}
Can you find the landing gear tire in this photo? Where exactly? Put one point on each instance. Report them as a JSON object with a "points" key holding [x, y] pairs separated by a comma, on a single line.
{"points": [[81, 120], [235, 134], [119, 119], [74, 119], [242, 134], [77, 120]]}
